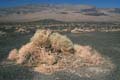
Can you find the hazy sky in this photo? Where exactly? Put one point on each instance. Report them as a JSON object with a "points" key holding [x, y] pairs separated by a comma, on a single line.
{"points": [[98, 3]]}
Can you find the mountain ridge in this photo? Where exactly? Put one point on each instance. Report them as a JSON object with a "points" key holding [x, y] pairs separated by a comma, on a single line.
{"points": [[65, 12]]}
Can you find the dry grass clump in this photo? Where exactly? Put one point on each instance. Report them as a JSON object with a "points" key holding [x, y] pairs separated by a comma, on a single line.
{"points": [[25, 53], [40, 38], [21, 30], [45, 38], [88, 54], [33, 55], [61, 43], [46, 53], [13, 55], [47, 69]]}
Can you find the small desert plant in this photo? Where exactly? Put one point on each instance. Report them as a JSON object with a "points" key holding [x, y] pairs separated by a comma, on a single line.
{"points": [[13, 55], [60, 42], [40, 38]]}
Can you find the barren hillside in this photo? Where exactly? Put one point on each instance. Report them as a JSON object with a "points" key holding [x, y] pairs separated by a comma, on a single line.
{"points": [[58, 12]]}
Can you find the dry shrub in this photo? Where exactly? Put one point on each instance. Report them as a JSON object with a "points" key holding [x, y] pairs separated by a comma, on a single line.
{"points": [[29, 55], [88, 54], [13, 55], [48, 69], [24, 52], [50, 59], [60, 42], [40, 38], [47, 57], [33, 55], [37, 54], [43, 68]]}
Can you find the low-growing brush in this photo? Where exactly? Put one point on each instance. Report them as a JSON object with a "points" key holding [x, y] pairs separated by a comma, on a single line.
{"points": [[47, 50], [61, 43], [40, 38], [33, 55], [88, 54], [13, 55]]}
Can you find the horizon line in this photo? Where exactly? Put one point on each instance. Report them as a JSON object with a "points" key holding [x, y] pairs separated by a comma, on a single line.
{"points": [[20, 5]]}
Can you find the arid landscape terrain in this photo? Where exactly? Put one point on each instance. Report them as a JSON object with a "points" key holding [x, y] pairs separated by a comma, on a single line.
{"points": [[59, 42], [59, 12]]}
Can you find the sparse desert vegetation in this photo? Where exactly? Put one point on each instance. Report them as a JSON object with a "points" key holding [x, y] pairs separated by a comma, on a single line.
{"points": [[59, 41], [58, 26], [58, 55], [53, 48]]}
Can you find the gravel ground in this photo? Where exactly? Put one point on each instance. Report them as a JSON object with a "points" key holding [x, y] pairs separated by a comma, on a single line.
{"points": [[101, 41]]}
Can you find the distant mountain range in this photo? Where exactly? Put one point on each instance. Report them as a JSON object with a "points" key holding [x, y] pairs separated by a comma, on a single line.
{"points": [[59, 12]]}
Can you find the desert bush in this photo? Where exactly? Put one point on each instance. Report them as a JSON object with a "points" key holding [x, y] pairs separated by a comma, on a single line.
{"points": [[13, 55], [40, 38], [43, 68], [60, 42], [46, 59], [24, 52], [88, 54], [32, 55]]}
